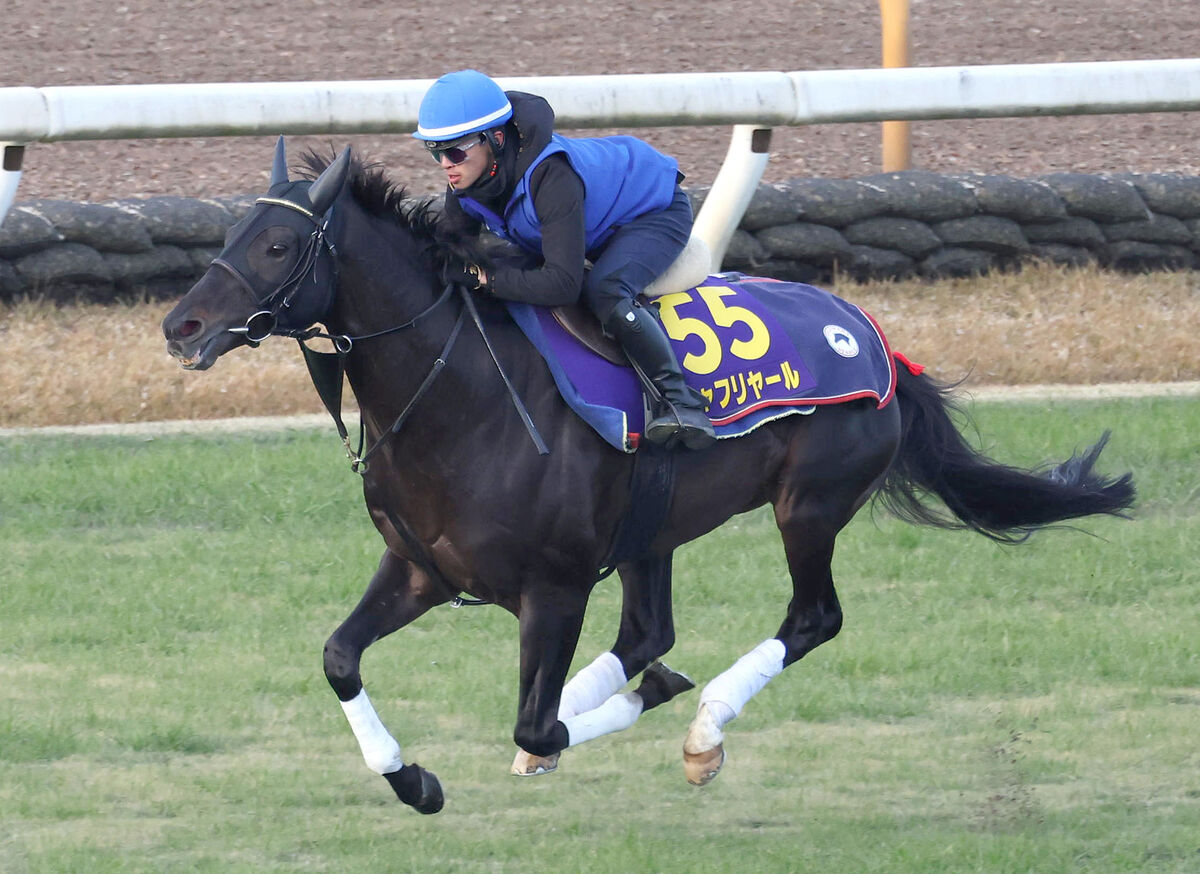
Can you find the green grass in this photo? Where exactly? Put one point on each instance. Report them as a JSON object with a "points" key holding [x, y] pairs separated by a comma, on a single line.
{"points": [[986, 708]]}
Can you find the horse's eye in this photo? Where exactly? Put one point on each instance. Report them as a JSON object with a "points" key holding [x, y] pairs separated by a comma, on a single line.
{"points": [[278, 249]]}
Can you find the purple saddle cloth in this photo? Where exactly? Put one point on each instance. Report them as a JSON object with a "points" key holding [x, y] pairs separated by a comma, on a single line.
{"points": [[757, 349]]}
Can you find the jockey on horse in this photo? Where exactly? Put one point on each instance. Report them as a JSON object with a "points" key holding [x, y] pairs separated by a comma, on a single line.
{"points": [[614, 201]]}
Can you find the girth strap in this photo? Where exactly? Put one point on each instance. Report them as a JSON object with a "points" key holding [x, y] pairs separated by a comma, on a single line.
{"points": [[652, 485]]}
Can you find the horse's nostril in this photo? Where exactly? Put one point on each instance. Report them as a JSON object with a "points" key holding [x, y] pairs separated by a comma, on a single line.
{"points": [[188, 328]]}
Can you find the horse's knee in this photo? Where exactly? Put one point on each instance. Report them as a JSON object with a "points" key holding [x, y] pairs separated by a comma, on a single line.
{"points": [[828, 619], [830, 623], [542, 742], [341, 663]]}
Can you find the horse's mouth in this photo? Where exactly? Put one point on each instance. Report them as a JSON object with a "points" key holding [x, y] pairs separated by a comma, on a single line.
{"points": [[204, 354]]}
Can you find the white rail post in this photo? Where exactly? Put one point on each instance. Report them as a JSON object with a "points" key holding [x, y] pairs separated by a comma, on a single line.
{"points": [[733, 189], [10, 176]]}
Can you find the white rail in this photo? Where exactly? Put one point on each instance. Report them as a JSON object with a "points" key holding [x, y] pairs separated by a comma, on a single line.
{"points": [[760, 100]]}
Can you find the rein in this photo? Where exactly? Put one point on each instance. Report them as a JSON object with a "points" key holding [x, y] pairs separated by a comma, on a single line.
{"points": [[328, 369]]}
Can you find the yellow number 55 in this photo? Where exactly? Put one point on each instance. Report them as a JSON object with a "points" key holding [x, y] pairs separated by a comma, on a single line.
{"points": [[727, 316], [680, 327]]}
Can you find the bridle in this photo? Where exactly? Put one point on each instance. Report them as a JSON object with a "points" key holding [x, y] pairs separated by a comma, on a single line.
{"points": [[327, 369], [264, 322]]}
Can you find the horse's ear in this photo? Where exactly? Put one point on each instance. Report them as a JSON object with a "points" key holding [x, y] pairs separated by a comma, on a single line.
{"points": [[324, 191], [279, 168]]}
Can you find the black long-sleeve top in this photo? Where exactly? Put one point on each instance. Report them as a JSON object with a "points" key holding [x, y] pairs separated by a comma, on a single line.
{"points": [[558, 195]]}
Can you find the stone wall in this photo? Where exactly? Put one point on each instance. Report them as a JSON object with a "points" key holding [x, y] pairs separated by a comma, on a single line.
{"points": [[153, 248], [885, 225], [918, 223]]}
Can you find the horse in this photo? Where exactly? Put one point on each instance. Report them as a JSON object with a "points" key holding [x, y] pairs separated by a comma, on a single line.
{"points": [[467, 504]]}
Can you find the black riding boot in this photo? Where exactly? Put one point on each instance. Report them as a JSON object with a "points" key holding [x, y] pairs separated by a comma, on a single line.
{"points": [[679, 414]]}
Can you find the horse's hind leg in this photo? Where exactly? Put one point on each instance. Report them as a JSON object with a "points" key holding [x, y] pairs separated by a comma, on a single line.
{"points": [[827, 479], [398, 593], [590, 705], [647, 632], [814, 617]]}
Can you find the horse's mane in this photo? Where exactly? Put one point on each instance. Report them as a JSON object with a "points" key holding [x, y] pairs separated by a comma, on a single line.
{"points": [[380, 196]]}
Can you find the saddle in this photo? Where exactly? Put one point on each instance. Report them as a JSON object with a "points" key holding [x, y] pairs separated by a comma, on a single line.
{"points": [[690, 269]]}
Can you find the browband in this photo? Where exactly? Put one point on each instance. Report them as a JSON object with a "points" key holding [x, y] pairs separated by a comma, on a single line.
{"points": [[279, 201]]}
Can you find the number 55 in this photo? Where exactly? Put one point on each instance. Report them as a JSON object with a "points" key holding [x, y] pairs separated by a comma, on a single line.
{"points": [[728, 316], [680, 327]]}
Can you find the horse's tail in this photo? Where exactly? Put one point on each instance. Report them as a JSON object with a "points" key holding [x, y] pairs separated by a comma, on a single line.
{"points": [[1000, 502]]}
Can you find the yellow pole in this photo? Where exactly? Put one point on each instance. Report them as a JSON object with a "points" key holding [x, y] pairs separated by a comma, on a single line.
{"points": [[897, 139]]}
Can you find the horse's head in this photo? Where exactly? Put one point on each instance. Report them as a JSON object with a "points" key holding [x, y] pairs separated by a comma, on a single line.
{"points": [[276, 273]]}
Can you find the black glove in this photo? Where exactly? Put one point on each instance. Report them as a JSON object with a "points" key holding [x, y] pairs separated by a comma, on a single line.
{"points": [[469, 275]]}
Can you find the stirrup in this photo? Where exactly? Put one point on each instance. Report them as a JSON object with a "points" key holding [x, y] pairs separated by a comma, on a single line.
{"points": [[671, 429]]}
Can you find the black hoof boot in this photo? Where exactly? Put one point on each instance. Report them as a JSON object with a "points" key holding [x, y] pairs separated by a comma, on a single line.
{"points": [[417, 788], [660, 684]]}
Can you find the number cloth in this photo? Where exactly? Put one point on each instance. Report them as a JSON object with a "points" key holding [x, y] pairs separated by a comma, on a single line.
{"points": [[757, 349]]}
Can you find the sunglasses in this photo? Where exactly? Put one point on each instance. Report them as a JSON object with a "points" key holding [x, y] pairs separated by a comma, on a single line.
{"points": [[456, 152]]}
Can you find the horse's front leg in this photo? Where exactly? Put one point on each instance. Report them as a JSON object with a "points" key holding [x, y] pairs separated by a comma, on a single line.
{"points": [[398, 593], [551, 617], [592, 704]]}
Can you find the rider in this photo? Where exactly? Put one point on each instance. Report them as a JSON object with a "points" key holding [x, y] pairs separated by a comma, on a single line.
{"points": [[615, 201]]}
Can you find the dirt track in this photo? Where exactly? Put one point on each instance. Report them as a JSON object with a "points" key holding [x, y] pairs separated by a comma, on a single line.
{"points": [[78, 42]]}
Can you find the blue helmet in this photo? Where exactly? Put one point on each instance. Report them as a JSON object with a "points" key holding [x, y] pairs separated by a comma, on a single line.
{"points": [[461, 103]]}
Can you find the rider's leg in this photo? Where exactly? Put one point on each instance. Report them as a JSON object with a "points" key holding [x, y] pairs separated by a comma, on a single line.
{"points": [[680, 415], [631, 259]]}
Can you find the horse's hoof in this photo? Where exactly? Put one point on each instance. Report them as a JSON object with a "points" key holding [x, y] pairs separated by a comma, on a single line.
{"points": [[702, 768], [529, 765], [660, 684], [417, 788]]}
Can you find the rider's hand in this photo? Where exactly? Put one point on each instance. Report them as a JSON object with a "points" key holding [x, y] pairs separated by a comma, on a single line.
{"points": [[469, 275]]}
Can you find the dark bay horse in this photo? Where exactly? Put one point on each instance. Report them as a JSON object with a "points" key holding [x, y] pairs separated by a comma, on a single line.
{"points": [[466, 504]]}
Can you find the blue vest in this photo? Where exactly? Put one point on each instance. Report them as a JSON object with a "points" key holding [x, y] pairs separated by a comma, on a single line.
{"points": [[623, 178]]}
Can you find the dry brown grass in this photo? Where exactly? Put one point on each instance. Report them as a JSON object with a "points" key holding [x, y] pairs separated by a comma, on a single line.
{"points": [[88, 364], [1045, 324]]}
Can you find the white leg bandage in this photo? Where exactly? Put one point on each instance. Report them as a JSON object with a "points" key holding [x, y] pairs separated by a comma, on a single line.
{"points": [[592, 686], [616, 714], [379, 749], [728, 693]]}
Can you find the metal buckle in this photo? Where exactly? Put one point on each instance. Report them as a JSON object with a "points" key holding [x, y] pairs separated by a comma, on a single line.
{"points": [[258, 327]]}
